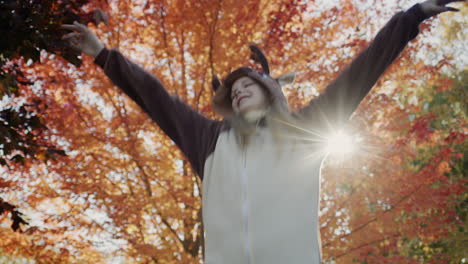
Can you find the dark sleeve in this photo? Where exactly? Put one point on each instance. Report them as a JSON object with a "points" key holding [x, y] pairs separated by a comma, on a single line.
{"points": [[341, 97], [194, 134]]}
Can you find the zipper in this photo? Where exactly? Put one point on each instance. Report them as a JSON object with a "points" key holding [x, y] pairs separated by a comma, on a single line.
{"points": [[245, 207]]}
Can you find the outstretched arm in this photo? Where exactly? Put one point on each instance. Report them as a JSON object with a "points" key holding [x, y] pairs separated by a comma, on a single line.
{"points": [[192, 132], [334, 107]]}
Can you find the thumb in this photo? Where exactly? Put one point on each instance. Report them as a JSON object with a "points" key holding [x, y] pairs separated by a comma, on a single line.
{"points": [[442, 9], [436, 9], [448, 8]]}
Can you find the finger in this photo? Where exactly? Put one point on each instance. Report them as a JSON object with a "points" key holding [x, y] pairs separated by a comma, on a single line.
{"points": [[100, 15], [435, 10], [68, 26], [74, 27], [71, 35], [448, 8], [82, 27]]}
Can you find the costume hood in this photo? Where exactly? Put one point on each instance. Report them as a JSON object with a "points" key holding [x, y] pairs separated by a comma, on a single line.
{"points": [[222, 100]]}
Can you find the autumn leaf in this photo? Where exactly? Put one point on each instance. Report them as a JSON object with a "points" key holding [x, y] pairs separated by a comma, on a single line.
{"points": [[107, 183]]}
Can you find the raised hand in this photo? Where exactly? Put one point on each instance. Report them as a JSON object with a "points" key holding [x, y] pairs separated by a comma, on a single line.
{"points": [[435, 7], [82, 39]]}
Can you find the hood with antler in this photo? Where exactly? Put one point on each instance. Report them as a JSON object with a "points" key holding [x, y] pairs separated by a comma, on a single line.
{"points": [[222, 101]]}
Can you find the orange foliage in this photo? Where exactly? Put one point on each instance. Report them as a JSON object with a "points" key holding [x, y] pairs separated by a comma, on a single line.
{"points": [[126, 192]]}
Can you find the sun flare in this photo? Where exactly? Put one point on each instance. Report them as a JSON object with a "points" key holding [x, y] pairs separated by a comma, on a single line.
{"points": [[340, 143]]}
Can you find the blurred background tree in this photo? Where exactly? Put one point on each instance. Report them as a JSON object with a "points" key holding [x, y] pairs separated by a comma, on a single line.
{"points": [[124, 192]]}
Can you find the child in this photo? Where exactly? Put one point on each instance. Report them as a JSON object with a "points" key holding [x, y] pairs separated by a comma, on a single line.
{"points": [[260, 166]]}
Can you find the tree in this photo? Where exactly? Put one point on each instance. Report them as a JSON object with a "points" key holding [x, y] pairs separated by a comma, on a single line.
{"points": [[32, 27], [29, 28], [125, 190], [417, 155]]}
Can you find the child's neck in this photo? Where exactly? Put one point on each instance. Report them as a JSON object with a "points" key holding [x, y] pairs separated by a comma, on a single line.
{"points": [[254, 116]]}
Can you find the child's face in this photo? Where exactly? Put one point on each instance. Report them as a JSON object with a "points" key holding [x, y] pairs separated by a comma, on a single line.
{"points": [[247, 95]]}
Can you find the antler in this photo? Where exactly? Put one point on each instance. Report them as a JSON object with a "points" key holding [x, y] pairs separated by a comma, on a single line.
{"points": [[215, 83], [258, 56]]}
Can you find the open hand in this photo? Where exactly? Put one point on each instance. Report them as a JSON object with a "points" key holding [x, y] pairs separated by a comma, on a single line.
{"points": [[435, 7], [82, 39]]}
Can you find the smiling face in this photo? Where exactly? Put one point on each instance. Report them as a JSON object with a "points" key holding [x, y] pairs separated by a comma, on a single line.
{"points": [[248, 96]]}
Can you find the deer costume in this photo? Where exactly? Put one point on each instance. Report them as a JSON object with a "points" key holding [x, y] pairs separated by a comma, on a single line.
{"points": [[261, 205]]}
